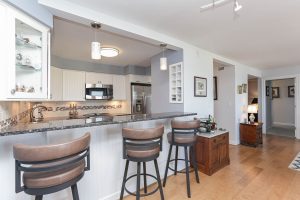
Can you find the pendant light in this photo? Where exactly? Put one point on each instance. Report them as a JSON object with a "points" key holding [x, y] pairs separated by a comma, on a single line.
{"points": [[163, 59], [96, 46]]}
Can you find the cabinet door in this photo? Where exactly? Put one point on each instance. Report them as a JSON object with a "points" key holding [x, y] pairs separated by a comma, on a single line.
{"points": [[214, 155], [119, 87], [223, 150], [27, 57], [93, 78], [201, 153], [140, 78], [56, 84], [73, 85]]}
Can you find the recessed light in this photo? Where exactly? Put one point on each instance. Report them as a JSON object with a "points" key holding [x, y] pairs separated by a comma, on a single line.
{"points": [[109, 52]]}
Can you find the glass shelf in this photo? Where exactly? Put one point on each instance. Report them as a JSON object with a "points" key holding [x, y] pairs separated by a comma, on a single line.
{"points": [[24, 43]]}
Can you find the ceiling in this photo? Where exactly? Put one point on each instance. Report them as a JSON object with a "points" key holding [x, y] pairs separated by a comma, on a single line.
{"points": [[72, 41], [266, 34]]}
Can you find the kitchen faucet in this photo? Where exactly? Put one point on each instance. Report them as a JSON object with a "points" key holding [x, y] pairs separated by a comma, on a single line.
{"points": [[40, 116]]}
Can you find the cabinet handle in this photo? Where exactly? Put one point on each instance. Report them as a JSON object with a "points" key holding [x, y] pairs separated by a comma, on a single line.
{"points": [[13, 91]]}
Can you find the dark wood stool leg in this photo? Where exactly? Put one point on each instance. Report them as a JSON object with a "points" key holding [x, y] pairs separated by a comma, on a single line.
{"points": [[158, 180], [187, 172], [193, 157], [75, 192], [145, 177], [138, 181], [40, 197], [124, 179], [176, 160], [167, 166]]}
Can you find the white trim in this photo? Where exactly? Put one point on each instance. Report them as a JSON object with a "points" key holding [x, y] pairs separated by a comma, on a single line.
{"points": [[234, 142], [283, 124]]}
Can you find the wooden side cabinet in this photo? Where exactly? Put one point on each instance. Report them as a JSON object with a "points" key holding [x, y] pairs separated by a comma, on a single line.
{"points": [[251, 134], [212, 152]]}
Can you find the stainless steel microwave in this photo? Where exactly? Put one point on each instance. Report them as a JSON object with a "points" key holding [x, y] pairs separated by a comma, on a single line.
{"points": [[98, 91]]}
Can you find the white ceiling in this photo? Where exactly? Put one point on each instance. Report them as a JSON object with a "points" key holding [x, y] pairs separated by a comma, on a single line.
{"points": [[266, 34], [73, 41]]}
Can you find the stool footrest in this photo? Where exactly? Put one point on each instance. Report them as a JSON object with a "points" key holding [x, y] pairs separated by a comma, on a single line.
{"points": [[181, 172], [145, 194]]}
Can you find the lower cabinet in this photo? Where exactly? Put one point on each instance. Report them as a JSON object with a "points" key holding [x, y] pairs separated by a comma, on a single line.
{"points": [[212, 153]]}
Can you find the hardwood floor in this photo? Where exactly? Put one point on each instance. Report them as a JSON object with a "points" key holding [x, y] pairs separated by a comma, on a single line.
{"points": [[254, 173]]}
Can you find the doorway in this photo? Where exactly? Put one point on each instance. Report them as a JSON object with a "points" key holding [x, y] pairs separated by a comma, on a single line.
{"points": [[280, 107]]}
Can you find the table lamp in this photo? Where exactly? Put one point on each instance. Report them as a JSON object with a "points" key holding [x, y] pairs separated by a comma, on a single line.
{"points": [[252, 109]]}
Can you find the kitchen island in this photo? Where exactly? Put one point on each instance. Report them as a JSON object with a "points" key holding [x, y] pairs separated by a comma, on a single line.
{"points": [[104, 179]]}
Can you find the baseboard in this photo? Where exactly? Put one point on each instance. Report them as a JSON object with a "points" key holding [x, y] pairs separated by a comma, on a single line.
{"points": [[233, 142], [113, 196], [283, 124]]}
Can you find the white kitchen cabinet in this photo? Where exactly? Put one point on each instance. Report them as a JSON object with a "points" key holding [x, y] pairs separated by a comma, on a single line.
{"points": [[119, 87], [139, 78], [56, 84], [73, 85], [93, 78], [24, 54]]}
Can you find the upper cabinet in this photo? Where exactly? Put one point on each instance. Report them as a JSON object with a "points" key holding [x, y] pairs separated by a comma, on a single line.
{"points": [[119, 87], [25, 54], [139, 78], [73, 85], [56, 84], [93, 78]]}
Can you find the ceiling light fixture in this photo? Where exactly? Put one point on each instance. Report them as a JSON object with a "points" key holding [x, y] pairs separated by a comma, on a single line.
{"points": [[213, 4], [109, 52], [237, 6], [95, 46], [163, 59]]}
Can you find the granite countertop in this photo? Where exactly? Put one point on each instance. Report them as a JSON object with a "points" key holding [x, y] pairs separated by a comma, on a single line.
{"points": [[53, 124], [212, 134]]}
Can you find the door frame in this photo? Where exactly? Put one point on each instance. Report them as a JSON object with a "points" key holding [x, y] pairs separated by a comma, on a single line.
{"points": [[296, 100]]}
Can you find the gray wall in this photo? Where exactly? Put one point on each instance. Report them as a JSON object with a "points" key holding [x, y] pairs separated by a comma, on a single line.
{"points": [[269, 105], [160, 83], [34, 9], [283, 108], [63, 63]]}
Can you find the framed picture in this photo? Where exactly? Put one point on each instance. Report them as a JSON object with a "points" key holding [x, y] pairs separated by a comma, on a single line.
{"points": [[200, 87], [275, 92], [244, 88], [267, 91], [215, 88], [239, 89], [291, 91]]}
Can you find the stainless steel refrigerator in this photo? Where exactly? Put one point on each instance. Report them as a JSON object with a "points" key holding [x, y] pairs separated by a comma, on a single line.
{"points": [[140, 98]]}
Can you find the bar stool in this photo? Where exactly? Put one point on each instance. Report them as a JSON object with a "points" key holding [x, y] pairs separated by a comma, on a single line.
{"points": [[183, 135], [51, 168], [141, 146]]}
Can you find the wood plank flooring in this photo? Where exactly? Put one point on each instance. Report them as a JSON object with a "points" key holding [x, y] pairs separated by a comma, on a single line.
{"points": [[254, 174]]}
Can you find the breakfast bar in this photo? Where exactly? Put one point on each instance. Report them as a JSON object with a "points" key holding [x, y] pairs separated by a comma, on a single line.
{"points": [[104, 179]]}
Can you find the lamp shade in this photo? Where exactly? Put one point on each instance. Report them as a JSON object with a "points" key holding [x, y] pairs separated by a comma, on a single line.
{"points": [[252, 108], [254, 101], [163, 63], [96, 50]]}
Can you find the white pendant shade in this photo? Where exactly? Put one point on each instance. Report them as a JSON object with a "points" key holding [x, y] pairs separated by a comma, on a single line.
{"points": [[96, 50], [163, 63]]}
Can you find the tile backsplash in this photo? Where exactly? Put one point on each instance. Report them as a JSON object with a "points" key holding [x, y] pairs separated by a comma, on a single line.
{"points": [[14, 112]]}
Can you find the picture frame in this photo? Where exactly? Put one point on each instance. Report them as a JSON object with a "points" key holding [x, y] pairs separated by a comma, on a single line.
{"points": [[275, 92], [239, 89], [291, 91], [244, 85], [267, 91], [200, 86], [215, 83]]}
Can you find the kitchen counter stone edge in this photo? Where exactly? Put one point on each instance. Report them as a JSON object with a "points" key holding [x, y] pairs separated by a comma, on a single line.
{"points": [[26, 128]]}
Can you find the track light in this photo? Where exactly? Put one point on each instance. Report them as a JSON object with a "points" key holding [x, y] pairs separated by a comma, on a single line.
{"points": [[237, 6]]}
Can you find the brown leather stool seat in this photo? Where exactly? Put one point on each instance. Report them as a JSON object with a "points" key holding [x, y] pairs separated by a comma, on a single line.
{"points": [[53, 178], [142, 151], [183, 135], [141, 146], [51, 168], [182, 138]]}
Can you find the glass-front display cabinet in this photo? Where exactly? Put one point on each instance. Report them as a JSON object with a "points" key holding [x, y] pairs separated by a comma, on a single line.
{"points": [[27, 57]]}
